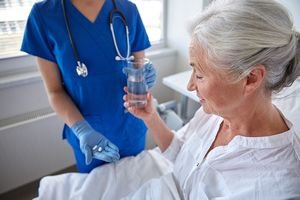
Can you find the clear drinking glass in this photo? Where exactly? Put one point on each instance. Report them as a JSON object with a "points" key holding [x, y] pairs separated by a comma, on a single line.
{"points": [[137, 87]]}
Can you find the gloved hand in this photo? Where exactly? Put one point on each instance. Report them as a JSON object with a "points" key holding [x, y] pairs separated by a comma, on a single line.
{"points": [[93, 144], [149, 72]]}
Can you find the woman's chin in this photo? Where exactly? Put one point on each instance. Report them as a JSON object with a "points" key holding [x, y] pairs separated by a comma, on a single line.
{"points": [[206, 109]]}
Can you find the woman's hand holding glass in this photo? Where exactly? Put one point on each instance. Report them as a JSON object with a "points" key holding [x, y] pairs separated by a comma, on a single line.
{"points": [[93, 144], [144, 113]]}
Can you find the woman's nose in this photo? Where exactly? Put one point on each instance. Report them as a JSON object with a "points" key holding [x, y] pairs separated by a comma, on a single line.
{"points": [[191, 85]]}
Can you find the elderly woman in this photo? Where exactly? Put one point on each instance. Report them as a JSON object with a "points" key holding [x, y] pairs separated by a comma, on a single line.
{"points": [[238, 145]]}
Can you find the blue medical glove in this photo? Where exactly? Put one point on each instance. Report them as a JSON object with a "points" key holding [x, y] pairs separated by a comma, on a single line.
{"points": [[150, 74], [93, 144]]}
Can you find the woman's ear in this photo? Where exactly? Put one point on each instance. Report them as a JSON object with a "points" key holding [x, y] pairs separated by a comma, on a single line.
{"points": [[255, 79]]}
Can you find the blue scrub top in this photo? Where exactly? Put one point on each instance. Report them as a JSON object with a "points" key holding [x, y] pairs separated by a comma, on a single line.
{"points": [[99, 95]]}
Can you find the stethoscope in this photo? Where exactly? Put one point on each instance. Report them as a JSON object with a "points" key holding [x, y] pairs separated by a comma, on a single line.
{"points": [[81, 68]]}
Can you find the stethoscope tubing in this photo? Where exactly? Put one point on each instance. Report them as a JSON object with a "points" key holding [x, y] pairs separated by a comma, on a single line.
{"points": [[119, 56], [123, 18], [74, 49], [112, 13]]}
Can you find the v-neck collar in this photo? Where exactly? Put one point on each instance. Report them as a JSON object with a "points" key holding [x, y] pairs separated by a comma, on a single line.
{"points": [[99, 30], [74, 11]]}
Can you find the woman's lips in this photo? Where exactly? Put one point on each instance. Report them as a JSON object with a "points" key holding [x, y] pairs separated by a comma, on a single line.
{"points": [[200, 99]]}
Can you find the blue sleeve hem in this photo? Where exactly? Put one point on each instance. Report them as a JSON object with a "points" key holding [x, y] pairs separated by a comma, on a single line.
{"points": [[141, 48], [38, 55], [35, 41]]}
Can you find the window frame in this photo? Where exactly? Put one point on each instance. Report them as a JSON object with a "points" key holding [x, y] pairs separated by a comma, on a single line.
{"points": [[163, 43]]}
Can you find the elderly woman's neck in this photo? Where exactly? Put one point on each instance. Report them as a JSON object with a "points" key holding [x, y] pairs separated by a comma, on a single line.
{"points": [[259, 118]]}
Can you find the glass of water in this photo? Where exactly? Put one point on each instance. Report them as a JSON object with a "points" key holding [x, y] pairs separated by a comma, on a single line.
{"points": [[137, 87]]}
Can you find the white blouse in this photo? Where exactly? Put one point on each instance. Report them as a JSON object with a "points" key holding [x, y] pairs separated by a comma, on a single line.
{"points": [[248, 167]]}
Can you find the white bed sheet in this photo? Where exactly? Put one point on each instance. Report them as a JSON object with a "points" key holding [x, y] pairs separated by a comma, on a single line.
{"points": [[108, 182]]}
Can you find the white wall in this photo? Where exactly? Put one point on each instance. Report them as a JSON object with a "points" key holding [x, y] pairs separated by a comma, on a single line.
{"points": [[179, 12], [294, 7], [178, 38], [165, 61]]}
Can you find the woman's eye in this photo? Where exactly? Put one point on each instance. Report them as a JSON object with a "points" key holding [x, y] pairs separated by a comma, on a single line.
{"points": [[199, 77]]}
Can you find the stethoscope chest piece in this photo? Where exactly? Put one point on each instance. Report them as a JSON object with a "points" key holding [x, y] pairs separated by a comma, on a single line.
{"points": [[81, 69]]}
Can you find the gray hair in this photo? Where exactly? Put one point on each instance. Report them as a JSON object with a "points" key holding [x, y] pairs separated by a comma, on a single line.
{"points": [[239, 34]]}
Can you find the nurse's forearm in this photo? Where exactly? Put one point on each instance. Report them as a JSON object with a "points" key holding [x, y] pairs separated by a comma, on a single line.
{"points": [[64, 107], [139, 55], [59, 100], [161, 134]]}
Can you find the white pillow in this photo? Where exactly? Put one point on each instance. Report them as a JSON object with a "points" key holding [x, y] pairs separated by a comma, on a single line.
{"points": [[288, 102]]}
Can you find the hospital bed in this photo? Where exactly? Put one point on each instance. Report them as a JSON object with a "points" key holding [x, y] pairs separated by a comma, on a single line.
{"points": [[117, 180]]}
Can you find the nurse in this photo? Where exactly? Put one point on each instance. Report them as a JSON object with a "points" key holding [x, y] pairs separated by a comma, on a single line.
{"points": [[80, 59]]}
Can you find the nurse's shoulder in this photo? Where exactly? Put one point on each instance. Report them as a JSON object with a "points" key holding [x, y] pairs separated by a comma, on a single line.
{"points": [[47, 6], [126, 5]]}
